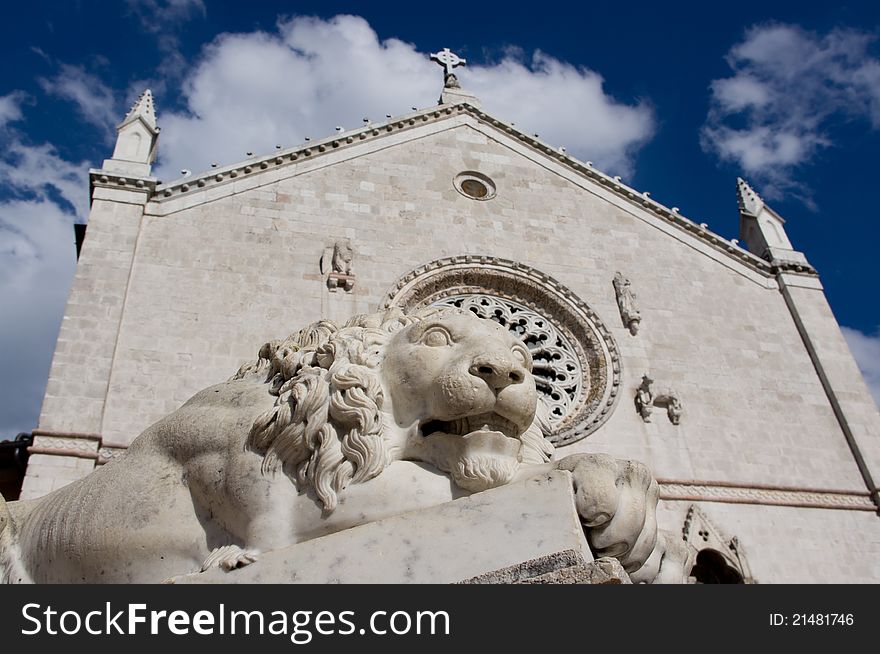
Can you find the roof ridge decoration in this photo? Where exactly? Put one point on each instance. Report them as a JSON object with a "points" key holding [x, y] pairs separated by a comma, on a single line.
{"points": [[280, 158]]}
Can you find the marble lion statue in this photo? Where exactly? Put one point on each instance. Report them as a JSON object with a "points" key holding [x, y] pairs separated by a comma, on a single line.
{"points": [[330, 428]]}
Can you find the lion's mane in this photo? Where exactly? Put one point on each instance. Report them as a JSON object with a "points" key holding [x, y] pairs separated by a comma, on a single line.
{"points": [[327, 428]]}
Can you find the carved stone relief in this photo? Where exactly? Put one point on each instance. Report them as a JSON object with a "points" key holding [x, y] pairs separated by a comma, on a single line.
{"points": [[648, 397], [626, 302], [578, 363], [336, 265], [644, 398]]}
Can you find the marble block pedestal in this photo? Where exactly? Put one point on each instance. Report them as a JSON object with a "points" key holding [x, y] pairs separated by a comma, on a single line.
{"points": [[527, 532]]}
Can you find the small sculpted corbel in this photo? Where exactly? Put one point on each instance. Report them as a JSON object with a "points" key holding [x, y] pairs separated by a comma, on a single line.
{"points": [[647, 398], [673, 406], [340, 273], [626, 302]]}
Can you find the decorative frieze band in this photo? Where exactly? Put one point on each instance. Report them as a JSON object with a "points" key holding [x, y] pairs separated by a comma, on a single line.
{"points": [[82, 445], [60, 443], [707, 491], [107, 454]]}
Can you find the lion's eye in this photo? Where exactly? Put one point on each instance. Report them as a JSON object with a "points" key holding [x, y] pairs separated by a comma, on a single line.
{"points": [[436, 338]]}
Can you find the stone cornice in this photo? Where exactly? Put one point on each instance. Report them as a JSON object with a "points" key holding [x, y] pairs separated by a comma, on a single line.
{"points": [[778, 266], [251, 167], [303, 152], [100, 178]]}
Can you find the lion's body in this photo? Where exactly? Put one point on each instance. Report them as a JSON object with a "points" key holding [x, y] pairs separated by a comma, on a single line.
{"points": [[328, 429], [108, 526]]}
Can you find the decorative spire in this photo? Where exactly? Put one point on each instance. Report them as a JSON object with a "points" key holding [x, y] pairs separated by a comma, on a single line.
{"points": [[749, 201], [137, 138], [142, 109], [762, 229]]}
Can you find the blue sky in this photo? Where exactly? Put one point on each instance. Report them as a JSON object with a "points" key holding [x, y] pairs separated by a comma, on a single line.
{"points": [[678, 98]]}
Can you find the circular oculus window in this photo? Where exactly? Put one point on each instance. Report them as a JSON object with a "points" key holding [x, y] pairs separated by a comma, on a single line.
{"points": [[474, 185]]}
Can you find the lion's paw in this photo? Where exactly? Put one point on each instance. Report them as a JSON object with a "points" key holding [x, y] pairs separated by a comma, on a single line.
{"points": [[229, 557]]}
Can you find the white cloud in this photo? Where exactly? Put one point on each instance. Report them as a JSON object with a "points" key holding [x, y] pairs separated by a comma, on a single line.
{"points": [[94, 100], [740, 93], [774, 113], [10, 108], [254, 90], [37, 257], [565, 106], [36, 244], [865, 349], [37, 171]]}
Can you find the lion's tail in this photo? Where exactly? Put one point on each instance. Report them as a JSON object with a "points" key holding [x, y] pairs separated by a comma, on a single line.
{"points": [[11, 569]]}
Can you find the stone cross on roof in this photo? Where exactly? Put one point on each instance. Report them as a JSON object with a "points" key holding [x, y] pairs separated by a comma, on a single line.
{"points": [[448, 60]]}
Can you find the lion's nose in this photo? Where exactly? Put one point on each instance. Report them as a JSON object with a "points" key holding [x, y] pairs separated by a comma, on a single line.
{"points": [[498, 371]]}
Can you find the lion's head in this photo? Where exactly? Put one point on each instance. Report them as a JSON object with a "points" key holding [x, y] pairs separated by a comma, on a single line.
{"points": [[440, 386]]}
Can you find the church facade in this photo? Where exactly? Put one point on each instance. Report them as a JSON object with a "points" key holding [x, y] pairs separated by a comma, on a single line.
{"points": [[717, 363]]}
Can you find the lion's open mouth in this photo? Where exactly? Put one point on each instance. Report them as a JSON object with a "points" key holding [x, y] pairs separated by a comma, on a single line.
{"points": [[470, 424]]}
